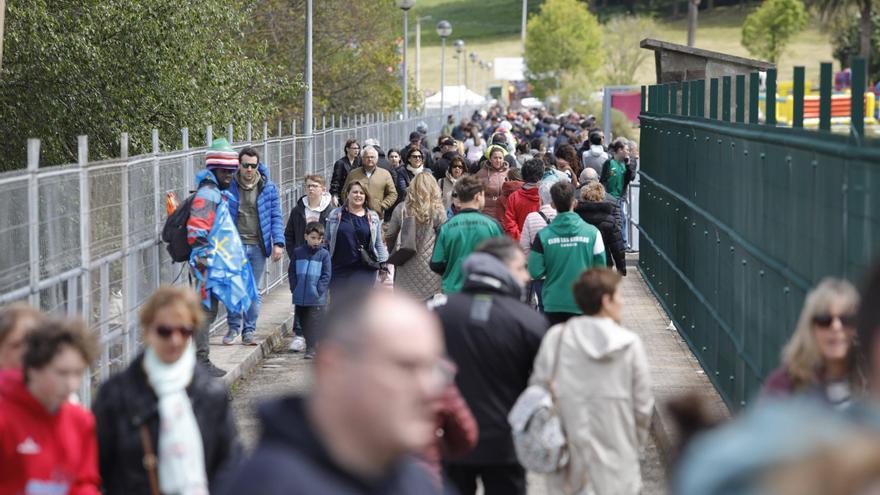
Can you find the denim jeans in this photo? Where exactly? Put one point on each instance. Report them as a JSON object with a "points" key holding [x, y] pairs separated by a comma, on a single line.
{"points": [[257, 260], [202, 336], [624, 223]]}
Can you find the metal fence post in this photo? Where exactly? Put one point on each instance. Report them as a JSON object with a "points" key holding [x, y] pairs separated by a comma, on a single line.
{"points": [[209, 136], [85, 245], [725, 98], [229, 133], [713, 98], [33, 166], [188, 168], [754, 88], [825, 96], [740, 98], [797, 92], [770, 98], [157, 212], [857, 102]]}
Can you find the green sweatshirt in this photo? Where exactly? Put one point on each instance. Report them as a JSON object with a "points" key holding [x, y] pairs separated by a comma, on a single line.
{"points": [[457, 239], [562, 251]]}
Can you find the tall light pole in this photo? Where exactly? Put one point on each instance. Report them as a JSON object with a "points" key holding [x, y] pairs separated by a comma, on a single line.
{"points": [[459, 50], [524, 20], [307, 106], [405, 5], [473, 57], [419, 52], [488, 76], [482, 77], [444, 29]]}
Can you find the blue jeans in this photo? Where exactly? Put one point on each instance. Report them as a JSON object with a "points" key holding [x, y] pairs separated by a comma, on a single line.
{"points": [[257, 260], [624, 223]]}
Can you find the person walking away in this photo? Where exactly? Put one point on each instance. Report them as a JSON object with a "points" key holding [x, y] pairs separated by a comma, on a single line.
{"points": [[377, 377], [615, 176], [596, 211], [494, 175], [313, 207], [383, 192], [353, 233], [47, 444], [607, 418], [462, 234], [536, 221], [457, 170], [255, 208], [820, 359], [221, 163], [596, 156], [165, 404], [492, 337], [349, 162], [424, 205], [16, 320], [524, 200], [561, 251], [474, 146], [309, 274]]}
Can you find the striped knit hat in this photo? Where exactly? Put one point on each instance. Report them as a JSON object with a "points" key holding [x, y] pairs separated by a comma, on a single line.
{"points": [[221, 155]]}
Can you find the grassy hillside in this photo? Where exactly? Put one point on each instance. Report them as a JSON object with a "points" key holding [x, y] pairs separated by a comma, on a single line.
{"points": [[491, 28]]}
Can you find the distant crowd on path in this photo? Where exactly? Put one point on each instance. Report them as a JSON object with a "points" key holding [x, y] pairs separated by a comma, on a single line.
{"points": [[462, 307]]}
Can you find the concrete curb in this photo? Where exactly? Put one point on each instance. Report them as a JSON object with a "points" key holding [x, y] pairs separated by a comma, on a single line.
{"points": [[257, 353]]}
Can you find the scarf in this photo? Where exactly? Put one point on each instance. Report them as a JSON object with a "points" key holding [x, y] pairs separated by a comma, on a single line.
{"points": [[415, 171], [181, 453]]}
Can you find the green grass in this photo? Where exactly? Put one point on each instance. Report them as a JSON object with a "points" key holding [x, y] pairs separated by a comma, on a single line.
{"points": [[491, 28]]}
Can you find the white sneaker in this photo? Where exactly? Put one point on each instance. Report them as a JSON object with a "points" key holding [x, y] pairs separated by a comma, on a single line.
{"points": [[298, 344]]}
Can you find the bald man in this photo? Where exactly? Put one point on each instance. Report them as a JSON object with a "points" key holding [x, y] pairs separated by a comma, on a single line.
{"points": [[377, 372]]}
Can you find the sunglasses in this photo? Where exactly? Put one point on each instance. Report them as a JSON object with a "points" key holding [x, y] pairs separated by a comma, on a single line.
{"points": [[825, 320], [416, 156], [249, 165], [166, 332]]}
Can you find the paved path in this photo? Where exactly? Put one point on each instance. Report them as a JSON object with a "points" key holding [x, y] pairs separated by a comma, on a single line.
{"points": [[674, 369]]}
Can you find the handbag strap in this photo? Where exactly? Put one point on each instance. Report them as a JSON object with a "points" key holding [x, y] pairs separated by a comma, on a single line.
{"points": [[150, 461], [551, 384], [546, 220]]}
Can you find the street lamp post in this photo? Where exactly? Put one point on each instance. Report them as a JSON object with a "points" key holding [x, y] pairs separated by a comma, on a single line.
{"points": [[488, 76], [444, 29], [405, 5], [473, 57], [307, 104], [459, 50], [419, 52]]}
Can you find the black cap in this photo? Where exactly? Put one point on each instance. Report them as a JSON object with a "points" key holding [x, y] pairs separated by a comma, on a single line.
{"points": [[414, 135]]}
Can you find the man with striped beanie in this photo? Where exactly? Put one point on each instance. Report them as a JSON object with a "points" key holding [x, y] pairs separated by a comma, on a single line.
{"points": [[221, 163]]}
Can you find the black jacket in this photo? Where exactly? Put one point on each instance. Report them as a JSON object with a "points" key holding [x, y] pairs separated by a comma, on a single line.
{"points": [[126, 401], [628, 177], [603, 215], [493, 338], [340, 172], [291, 460], [295, 231]]}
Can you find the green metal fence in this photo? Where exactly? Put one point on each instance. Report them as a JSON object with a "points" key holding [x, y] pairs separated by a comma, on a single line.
{"points": [[739, 218]]}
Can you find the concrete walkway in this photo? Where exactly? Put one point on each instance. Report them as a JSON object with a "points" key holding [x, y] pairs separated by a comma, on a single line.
{"points": [[256, 373]]}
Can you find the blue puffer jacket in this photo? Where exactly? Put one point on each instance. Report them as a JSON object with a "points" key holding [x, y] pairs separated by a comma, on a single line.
{"points": [[268, 209], [309, 274]]}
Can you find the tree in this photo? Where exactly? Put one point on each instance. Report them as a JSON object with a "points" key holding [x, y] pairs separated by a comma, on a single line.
{"points": [[846, 42], [102, 68], [621, 46], [768, 29], [693, 12], [563, 38], [355, 42], [839, 10]]}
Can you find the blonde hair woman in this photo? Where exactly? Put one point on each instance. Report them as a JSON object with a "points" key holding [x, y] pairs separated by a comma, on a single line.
{"points": [[424, 204], [820, 358]]}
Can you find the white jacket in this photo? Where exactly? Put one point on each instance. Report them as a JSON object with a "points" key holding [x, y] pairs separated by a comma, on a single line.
{"points": [[604, 397]]}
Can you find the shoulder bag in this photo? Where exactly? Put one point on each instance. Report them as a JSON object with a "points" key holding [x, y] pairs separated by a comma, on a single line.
{"points": [[368, 259], [405, 248]]}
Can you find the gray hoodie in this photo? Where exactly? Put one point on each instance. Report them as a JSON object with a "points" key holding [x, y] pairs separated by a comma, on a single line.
{"points": [[595, 157]]}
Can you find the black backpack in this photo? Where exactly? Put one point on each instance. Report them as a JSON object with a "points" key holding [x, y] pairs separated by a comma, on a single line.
{"points": [[174, 232]]}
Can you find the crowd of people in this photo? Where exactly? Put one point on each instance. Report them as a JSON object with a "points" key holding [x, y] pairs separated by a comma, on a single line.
{"points": [[503, 245]]}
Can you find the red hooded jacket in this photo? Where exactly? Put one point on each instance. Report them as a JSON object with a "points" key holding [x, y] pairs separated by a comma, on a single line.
{"points": [[520, 203], [43, 453]]}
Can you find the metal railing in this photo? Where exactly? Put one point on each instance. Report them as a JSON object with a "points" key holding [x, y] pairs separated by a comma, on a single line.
{"points": [[740, 218], [83, 239]]}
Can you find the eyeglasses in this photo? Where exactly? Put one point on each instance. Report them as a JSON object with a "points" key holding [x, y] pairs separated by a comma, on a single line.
{"points": [[313, 185], [249, 165], [165, 332], [825, 320]]}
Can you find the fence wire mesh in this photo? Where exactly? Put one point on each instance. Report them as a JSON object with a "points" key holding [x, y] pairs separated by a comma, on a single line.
{"points": [[83, 239]]}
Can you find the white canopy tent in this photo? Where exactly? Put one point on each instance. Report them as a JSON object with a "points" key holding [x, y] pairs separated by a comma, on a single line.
{"points": [[452, 94]]}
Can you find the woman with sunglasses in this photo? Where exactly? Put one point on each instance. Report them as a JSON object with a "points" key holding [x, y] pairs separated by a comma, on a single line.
{"points": [[820, 358], [413, 164], [167, 406]]}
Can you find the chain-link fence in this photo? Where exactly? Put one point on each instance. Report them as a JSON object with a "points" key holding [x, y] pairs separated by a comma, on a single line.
{"points": [[83, 239]]}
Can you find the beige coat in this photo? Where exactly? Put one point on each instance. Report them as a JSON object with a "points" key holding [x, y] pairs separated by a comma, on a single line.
{"points": [[383, 193], [605, 402]]}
